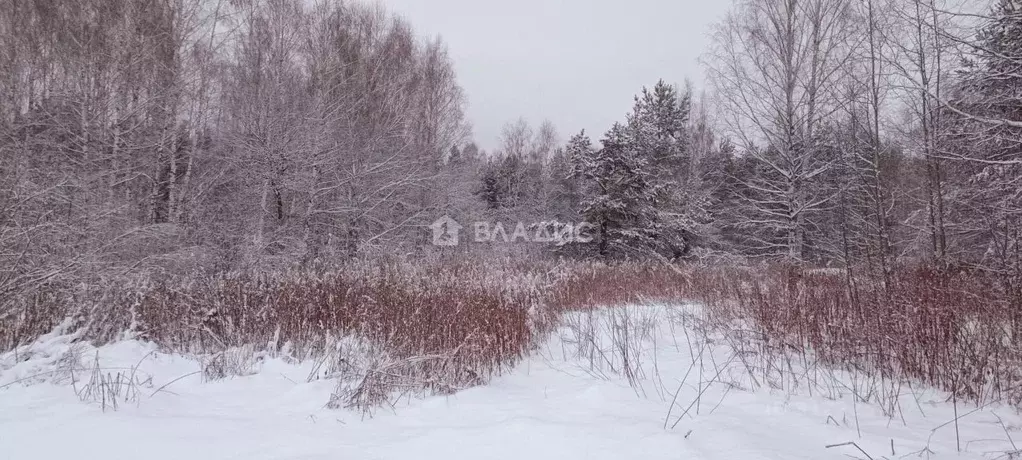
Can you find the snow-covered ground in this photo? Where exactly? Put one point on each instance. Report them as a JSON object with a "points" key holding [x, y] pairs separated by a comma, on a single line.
{"points": [[570, 400]]}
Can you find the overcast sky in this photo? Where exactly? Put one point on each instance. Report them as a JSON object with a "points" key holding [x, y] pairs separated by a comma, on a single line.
{"points": [[575, 62]]}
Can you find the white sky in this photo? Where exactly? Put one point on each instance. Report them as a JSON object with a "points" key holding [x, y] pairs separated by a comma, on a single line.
{"points": [[575, 62]]}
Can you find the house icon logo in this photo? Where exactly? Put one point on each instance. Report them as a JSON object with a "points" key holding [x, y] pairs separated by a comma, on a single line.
{"points": [[445, 231]]}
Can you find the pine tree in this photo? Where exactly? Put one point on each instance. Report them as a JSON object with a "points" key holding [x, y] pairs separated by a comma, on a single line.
{"points": [[658, 133], [620, 190], [658, 123]]}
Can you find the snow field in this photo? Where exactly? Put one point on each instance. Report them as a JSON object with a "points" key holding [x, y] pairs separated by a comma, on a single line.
{"points": [[646, 382]]}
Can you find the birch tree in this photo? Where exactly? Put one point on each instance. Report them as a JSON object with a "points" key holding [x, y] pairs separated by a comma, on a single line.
{"points": [[775, 65]]}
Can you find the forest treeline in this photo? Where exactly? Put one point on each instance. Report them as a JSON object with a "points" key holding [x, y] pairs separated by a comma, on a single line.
{"points": [[175, 136]]}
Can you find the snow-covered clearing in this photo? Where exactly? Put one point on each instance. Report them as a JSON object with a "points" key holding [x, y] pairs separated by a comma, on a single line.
{"points": [[571, 399]]}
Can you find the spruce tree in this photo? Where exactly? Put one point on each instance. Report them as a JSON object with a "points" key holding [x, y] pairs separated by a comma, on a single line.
{"points": [[566, 177], [987, 135]]}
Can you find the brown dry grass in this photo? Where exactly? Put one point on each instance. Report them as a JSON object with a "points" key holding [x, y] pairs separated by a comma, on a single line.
{"points": [[956, 330]]}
